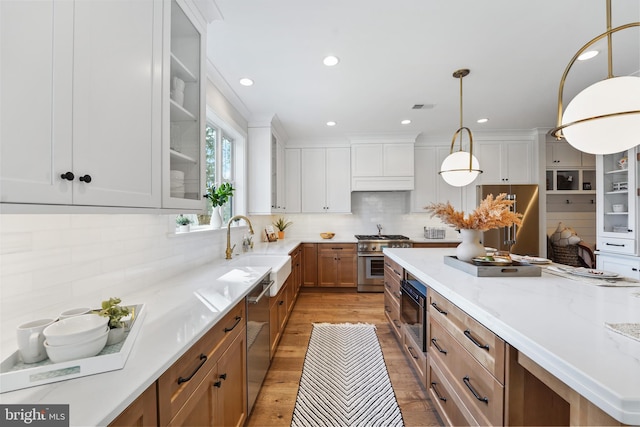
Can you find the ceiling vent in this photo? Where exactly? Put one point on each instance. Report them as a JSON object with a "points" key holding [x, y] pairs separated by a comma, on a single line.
{"points": [[422, 106]]}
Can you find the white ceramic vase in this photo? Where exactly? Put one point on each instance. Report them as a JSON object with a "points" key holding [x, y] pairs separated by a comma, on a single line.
{"points": [[470, 246], [115, 336], [216, 218]]}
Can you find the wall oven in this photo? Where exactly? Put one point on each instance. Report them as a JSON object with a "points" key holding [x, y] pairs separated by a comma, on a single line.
{"points": [[371, 259], [413, 310]]}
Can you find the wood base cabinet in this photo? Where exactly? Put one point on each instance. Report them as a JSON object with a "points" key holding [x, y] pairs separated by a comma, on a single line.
{"points": [[207, 385], [309, 265], [337, 265], [392, 276], [142, 412]]}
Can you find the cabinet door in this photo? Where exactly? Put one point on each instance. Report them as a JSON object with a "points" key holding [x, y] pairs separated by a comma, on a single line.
{"points": [[313, 180], [200, 410], [116, 110], [628, 267], [562, 154], [367, 159], [338, 179], [327, 267], [142, 412], [517, 162], [232, 371], [430, 187], [309, 264], [347, 269], [36, 57], [292, 180]]}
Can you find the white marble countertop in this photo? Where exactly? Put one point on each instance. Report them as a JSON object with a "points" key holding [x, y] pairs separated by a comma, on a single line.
{"points": [[179, 312], [557, 322]]}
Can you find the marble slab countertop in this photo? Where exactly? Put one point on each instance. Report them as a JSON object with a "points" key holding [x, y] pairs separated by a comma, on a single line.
{"points": [[559, 323], [180, 310]]}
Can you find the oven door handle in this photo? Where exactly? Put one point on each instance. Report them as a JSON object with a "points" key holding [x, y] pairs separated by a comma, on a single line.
{"points": [[371, 254]]}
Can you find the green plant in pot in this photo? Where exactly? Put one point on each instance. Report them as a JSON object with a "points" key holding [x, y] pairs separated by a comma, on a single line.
{"points": [[281, 224], [183, 222], [218, 196], [112, 309]]}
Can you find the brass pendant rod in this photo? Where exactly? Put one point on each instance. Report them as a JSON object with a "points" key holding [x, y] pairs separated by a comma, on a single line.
{"points": [[461, 112], [609, 42]]}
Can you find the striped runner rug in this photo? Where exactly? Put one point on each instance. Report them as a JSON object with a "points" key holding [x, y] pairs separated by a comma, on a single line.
{"points": [[345, 380]]}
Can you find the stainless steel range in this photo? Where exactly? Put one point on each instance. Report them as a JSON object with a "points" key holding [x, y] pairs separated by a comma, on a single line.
{"points": [[371, 258]]}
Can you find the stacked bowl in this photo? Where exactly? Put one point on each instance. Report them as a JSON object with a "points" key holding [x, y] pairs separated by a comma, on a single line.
{"points": [[76, 337], [177, 183]]}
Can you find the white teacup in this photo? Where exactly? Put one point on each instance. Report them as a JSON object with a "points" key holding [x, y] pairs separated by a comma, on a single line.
{"points": [[31, 340]]}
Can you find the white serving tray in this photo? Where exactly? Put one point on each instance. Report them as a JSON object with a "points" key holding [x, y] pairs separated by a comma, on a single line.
{"points": [[15, 375]]}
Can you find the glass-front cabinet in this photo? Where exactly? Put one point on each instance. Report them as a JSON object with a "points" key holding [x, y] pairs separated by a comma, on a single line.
{"points": [[617, 202], [184, 131]]}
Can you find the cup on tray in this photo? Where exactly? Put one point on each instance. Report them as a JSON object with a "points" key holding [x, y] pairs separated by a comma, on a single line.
{"points": [[31, 340]]}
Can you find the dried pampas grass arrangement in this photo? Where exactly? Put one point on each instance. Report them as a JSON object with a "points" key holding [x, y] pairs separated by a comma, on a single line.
{"points": [[492, 213]]}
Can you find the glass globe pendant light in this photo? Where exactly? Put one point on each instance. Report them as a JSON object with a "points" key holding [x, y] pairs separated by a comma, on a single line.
{"points": [[605, 117], [460, 168]]}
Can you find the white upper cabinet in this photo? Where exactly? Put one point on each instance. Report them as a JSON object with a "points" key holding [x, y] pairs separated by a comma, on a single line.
{"points": [[325, 180], [183, 97], [504, 162], [382, 166], [293, 180], [430, 187], [561, 154], [266, 170], [80, 116]]}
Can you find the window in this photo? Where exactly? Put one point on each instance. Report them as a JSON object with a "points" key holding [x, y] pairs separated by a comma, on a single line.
{"points": [[220, 164]]}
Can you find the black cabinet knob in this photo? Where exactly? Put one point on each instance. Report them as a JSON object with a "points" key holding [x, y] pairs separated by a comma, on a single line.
{"points": [[69, 176], [86, 178]]}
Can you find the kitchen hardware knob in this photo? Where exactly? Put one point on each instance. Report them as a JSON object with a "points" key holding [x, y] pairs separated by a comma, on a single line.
{"points": [[86, 178], [223, 376], [69, 176], [217, 384]]}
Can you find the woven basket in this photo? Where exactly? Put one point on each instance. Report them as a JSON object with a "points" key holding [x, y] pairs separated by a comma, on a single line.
{"points": [[567, 255]]}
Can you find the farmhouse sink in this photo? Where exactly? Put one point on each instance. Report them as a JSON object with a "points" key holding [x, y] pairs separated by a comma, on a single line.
{"points": [[280, 267]]}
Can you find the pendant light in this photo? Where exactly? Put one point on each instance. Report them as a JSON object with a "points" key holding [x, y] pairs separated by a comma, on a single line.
{"points": [[605, 117], [460, 168]]}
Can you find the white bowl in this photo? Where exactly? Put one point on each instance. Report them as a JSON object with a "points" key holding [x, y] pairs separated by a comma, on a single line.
{"points": [[62, 353], [76, 329], [74, 312], [618, 208]]}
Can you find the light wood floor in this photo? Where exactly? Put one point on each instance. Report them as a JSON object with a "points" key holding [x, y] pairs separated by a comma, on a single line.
{"points": [[275, 403]]}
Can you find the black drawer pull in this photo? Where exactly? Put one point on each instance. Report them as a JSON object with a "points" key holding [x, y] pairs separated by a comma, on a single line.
{"points": [[398, 325], [475, 393], [435, 344], [238, 319], [203, 358], [412, 353], [387, 309], [438, 309], [614, 244], [435, 390], [398, 273], [467, 333]]}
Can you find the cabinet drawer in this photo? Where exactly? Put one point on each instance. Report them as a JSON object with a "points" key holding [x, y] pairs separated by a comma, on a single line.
{"points": [[392, 312], [448, 404], [393, 268], [392, 286], [484, 345], [613, 244], [480, 392], [416, 355], [183, 377], [345, 248]]}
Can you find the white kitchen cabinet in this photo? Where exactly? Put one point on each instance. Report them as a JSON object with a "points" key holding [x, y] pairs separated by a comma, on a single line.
{"points": [[561, 154], [628, 266], [504, 162], [325, 180], [430, 187], [382, 166], [184, 111], [292, 180], [81, 121], [266, 169], [616, 203]]}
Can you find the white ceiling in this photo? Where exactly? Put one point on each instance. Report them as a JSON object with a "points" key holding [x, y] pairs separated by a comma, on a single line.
{"points": [[395, 54]]}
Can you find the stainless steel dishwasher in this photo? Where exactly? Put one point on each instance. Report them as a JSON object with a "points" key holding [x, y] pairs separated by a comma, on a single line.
{"points": [[257, 338]]}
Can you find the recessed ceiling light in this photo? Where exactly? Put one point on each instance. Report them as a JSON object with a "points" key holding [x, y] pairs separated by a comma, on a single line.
{"points": [[330, 61], [331, 123], [482, 120], [588, 55], [405, 122], [246, 81]]}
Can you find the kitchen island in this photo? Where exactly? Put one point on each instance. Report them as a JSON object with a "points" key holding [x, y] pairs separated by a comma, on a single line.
{"points": [[556, 325]]}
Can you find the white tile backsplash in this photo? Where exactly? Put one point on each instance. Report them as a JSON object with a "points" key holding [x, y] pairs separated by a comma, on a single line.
{"points": [[49, 263]]}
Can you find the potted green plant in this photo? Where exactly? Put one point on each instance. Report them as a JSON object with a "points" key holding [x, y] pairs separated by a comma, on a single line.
{"points": [[112, 309], [218, 196], [281, 224], [183, 223]]}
